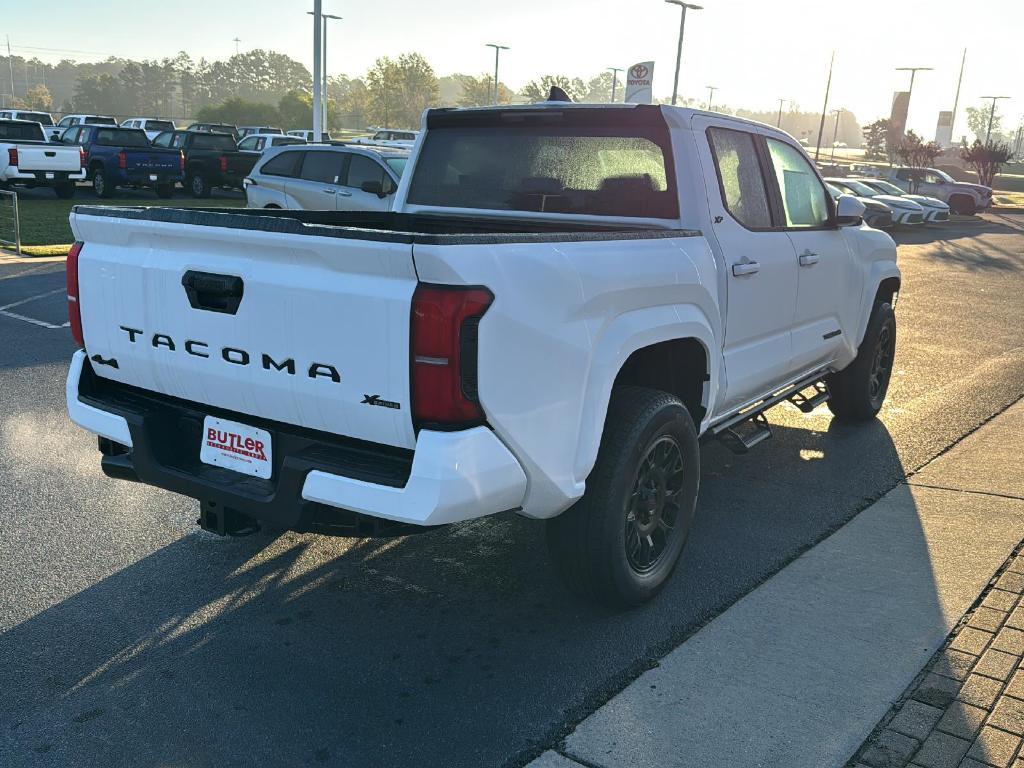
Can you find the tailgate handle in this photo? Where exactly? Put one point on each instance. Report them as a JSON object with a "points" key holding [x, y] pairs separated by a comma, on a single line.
{"points": [[213, 292], [49, 154]]}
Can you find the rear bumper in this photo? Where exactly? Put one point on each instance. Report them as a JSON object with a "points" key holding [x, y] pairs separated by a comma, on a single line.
{"points": [[39, 178], [142, 178], [319, 481]]}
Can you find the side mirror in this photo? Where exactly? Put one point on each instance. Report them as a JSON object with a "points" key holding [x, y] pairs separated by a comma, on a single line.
{"points": [[849, 211], [374, 188]]}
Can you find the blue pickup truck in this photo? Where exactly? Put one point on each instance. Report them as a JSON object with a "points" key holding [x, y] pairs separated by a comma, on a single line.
{"points": [[123, 157]]}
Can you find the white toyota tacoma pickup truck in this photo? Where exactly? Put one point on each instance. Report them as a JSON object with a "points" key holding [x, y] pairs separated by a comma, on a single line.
{"points": [[564, 301], [28, 159]]}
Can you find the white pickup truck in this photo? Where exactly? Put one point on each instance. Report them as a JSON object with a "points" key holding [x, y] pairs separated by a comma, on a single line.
{"points": [[28, 159], [566, 298]]}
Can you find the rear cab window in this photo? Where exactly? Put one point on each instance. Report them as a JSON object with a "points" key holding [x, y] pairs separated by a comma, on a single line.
{"points": [[221, 141], [570, 161], [121, 137], [20, 132]]}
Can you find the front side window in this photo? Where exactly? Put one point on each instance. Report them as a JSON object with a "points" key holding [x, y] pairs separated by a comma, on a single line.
{"points": [[247, 143], [804, 199], [163, 139], [584, 168], [325, 167], [362, 169], [179, 141], [743, 190]]}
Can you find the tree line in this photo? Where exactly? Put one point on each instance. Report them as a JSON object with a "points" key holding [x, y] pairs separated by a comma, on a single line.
{"points": [[265, 87]]}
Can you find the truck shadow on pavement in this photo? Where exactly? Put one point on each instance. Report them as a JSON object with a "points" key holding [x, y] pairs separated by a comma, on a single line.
{"points": [[456, 647]]}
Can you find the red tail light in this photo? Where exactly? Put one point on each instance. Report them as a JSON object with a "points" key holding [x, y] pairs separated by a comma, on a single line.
{"points": [[81, 158], [12, 156], [223, 163], [122, 159], [74, 307], [443, 337], [181, 162]]}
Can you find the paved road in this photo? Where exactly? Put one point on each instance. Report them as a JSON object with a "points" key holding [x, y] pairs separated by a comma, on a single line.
{"points": [[132, 638]]}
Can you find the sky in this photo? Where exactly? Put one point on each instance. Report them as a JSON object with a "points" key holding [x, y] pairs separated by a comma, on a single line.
{"points": [[755, 52]]}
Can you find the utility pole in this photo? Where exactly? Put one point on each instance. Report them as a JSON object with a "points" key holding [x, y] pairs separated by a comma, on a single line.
{"points": [[956, 99], [497, 52], [824, 107], [318, 62], [323, 92], [835, 132], [236, 41], [992, 115], [615, 80], [10, 64], [679, 49], [711, 94], [778, 123]]}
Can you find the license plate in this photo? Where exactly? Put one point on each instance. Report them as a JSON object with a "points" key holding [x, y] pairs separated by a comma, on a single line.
{"points": [[236, 446], [49, 175], [152, 177]]}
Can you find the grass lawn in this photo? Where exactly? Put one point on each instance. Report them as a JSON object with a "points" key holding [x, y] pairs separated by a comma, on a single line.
{"points": [[44, 218]]}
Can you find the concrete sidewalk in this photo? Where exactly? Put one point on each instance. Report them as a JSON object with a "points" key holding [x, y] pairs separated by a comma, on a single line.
{"points": [[801, 670]]}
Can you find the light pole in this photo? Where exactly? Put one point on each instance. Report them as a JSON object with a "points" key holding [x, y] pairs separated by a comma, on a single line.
{"points": [[711, 94], [991, 115], [497, 52], [956, 99], [323, 90], [778, 123], [615, 79], [824, 107], [318, 62], [835, 132], [679, 50], [913, 72]]}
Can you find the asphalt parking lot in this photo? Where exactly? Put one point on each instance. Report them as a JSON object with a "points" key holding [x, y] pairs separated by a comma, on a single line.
{"points": [[129, 637]]}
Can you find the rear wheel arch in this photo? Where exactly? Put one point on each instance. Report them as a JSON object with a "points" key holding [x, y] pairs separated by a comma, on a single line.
{"points": [[887, 291], [679, 366]]}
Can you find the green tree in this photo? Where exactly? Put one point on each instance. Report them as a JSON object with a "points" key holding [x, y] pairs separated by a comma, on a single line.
{"points": [[977, 121], [401, 89], [240, 112], [38, 97], [986, 159], [538, 90], [599, 89], [479, 91], [876, 137], [295, 110], [917, 153]]}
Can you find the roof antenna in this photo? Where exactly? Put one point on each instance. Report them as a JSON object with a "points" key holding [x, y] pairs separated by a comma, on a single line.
{"points": [[557, 94]]}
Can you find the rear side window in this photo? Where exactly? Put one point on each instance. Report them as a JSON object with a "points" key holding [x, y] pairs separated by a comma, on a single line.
{"points": [[21, 132], [284, 164], [804, 198], [586, 169], [121, 137], [325, 167], [739, 172], [219, 141]]}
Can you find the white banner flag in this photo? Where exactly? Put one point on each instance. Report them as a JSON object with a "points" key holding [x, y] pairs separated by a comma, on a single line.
{"points": [[638, 83]]}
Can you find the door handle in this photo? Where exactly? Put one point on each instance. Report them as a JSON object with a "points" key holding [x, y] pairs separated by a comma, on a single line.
{"points": [[808, 258], [342, 193], [745, 268]]}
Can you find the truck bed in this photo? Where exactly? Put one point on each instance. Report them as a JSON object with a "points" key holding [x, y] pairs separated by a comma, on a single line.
{"points": [[389, 227]]}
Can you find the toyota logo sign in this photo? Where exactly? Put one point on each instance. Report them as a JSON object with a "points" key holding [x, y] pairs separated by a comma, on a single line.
{"points": [[638, 71]]}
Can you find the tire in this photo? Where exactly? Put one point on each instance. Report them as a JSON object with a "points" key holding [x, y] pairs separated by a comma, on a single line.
{"points": [[100, 185], [858, 391], [963, 205], [65, 190], [598, 545], [199, 186], [165, 190]]}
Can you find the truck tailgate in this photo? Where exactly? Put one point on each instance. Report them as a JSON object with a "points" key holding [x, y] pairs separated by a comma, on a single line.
{"points": [[48, 157], [152, 161], [294, 328]]}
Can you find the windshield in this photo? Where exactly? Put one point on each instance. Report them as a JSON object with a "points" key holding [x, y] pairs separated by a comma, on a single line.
{"points": [[121, 137], [861, 188], [559, 167], [887, 188], [36, 117], [397, 164], [21, 132]]}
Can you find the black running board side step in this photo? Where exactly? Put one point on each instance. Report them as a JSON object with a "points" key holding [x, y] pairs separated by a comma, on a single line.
{"points": [[748, 428], [807, 404]]}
